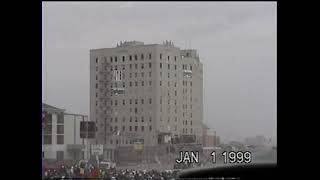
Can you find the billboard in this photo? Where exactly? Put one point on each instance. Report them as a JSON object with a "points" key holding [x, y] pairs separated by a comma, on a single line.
{"points": [[97, 149]]}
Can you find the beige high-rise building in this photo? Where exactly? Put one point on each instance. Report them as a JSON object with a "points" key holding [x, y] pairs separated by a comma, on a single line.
{"points": [[150, 93]]}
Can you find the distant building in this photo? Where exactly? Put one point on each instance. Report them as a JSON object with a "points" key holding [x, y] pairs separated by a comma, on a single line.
{"points": [[256, 141], [61, 135], [209, 137]]}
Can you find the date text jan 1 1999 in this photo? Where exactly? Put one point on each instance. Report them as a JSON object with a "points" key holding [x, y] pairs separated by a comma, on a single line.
{"points": [[227, 157]]}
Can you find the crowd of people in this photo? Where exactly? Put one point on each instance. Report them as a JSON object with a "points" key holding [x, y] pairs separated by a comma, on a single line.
{"points": [[87, 170]]}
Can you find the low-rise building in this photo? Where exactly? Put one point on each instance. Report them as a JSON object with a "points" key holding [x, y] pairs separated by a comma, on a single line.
{"points": [[61, 135]]}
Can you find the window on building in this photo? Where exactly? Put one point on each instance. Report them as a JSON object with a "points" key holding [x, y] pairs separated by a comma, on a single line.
{"points": [[96, 86], [142, 57], [175, 84], [175, 102], [96, 77], [149, 55], [111, 141], [97, 68], [135, 128], [123, 119], [111, 128], [168, 119], [60, 118], [150, 128], [190, 83], [168, 66], [150, 100], [135, 74], [136, 101], [175, 67], [168, 58], [150, 82], [123, 84], [130, 101], [149, 65], [175, 58], [191, 130], [130, 66], [190, 67], [160, 56], [142, 101], [60, 139], [130, 118], [160, 73], [168, 75], [142, 119], [123, 128], [111, 59], [130, 58], [136, 119], [175, 93], [160, 65], [116, 102], [111, 119], [135, 57], [115, 59], [130, 128], [123, 102], [136, 66], [142, 74], [142, 65], [136, 83], [142, 128], [136, 110], [149, 74], [160, 83], [150, 119], [160, 100], [123, 67], [142, 83], [130, 84], [60, 129], [130, 75], [168, 83], [96, 60], [47, 139]]}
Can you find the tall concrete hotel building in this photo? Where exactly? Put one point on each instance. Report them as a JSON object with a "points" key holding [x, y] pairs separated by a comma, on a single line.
{"points": [[147, 94]]}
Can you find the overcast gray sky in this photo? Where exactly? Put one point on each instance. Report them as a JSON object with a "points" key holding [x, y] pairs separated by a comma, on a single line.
{"points": [[236, 42]]}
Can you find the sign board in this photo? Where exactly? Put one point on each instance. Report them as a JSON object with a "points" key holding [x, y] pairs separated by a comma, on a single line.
{"points": [[96, 149], [138, 146]]}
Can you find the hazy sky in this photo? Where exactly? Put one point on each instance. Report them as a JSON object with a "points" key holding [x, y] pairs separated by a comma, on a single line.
{"points": [[236, 42]]}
